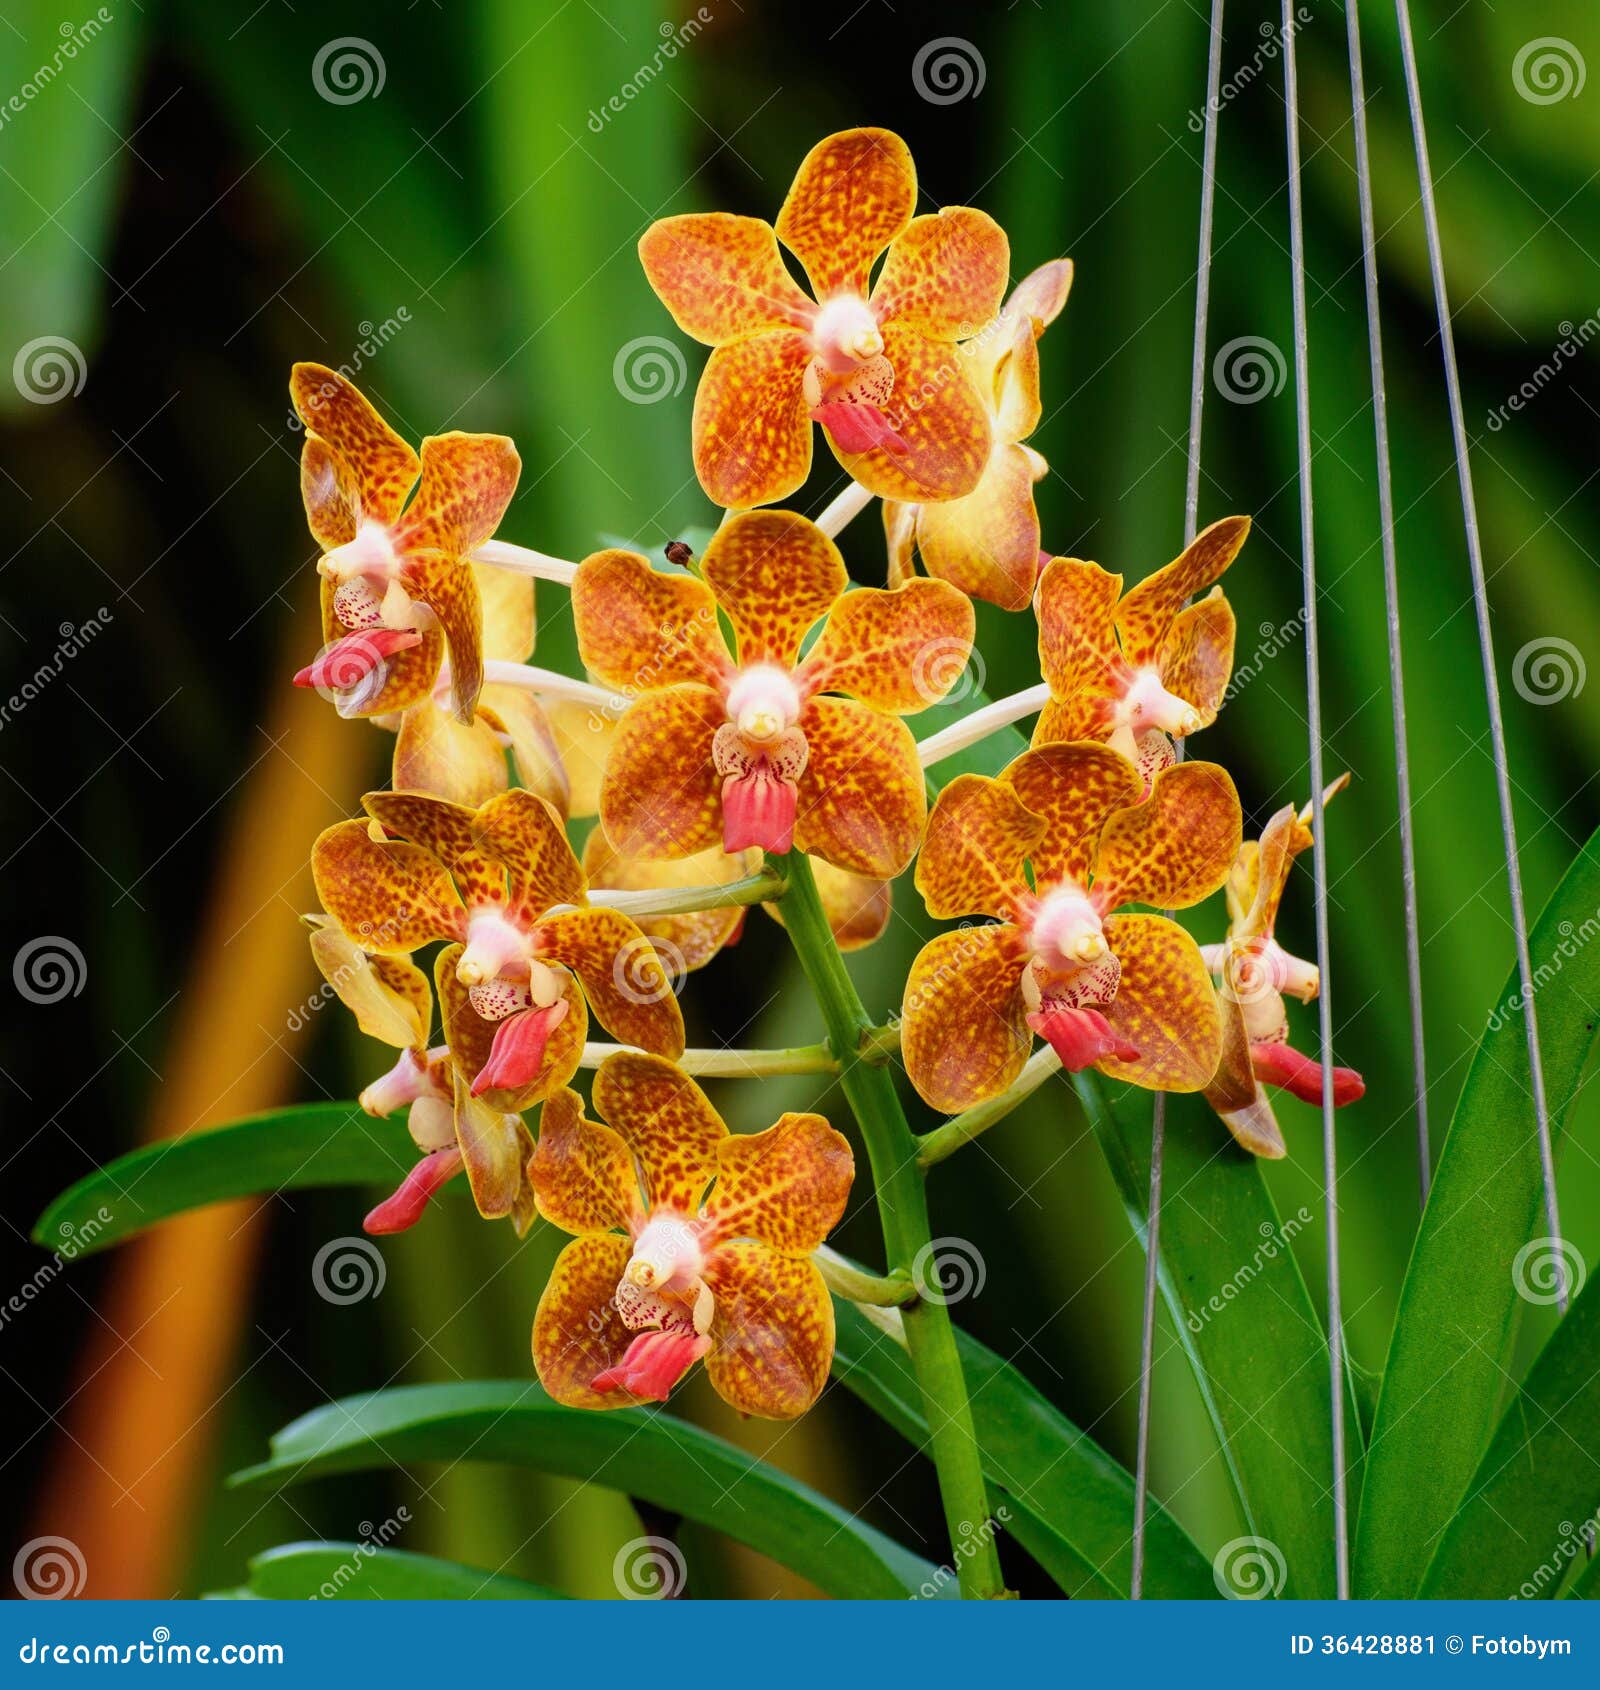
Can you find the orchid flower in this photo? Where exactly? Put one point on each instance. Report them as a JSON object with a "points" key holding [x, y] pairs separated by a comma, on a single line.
{"points": [[1126, 993], [1137, 669], [987, 542], [466, 762], [392, 1000], [661, 1275], [757, 751], [1256, 974], [876, 365], [502, 885], [397, 592]]}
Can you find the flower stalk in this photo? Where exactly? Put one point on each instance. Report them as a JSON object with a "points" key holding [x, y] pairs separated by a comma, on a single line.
{"points": [[903, 1210]]}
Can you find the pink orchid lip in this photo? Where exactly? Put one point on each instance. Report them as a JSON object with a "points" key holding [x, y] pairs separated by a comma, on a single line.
{"points": [[758, 809], [1079, 1037], [404, 1209], [348, 662], [517, 1053], [652, 1364], [1282, 1065], [857, 426]]}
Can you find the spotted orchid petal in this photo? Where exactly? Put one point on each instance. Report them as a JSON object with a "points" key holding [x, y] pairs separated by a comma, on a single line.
{"points": [[862, 800], [787, 1186], [775, 574], [898, 651], [964, 1030], [773, 1334], [979, 835], [1165, 1006]]}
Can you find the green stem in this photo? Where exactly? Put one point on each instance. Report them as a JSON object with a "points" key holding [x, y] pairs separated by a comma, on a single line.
{"points": [[963, 1128], [903, 1211]]}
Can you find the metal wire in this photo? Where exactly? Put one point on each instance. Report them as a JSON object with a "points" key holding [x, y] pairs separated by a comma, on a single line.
{"points": [[1330, 1156], [1480, 601], [1191, 527], [1391, 591]]}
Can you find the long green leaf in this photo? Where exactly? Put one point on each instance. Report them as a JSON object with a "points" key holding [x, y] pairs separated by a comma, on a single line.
{"points": [[1538, 1483], [1459, 1304], [282, 1150], [1242, 1311], [651, 1456], [352, 1572], [1051, 1486]]}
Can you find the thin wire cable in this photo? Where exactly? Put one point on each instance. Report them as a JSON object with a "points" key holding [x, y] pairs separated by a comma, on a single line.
{"points": [[1391, 592], [1191, 527], [1330, 1153], [1480, 601]]}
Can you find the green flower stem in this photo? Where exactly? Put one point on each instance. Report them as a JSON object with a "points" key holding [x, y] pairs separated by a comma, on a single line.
{"points": [[734, 1064], [855, 1285], [963, 1128], [647, 901], [903, 1210]]}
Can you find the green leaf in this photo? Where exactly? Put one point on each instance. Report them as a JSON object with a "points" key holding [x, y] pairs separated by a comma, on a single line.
{"points": [[354, 1572], [648, 1455], [282, 1150], [1051, 1486], [1521, 1526], [1242, 1311], [1459, 1305]]}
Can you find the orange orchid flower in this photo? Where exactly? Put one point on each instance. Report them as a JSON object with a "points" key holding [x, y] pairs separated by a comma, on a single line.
{"points": [[1137, 669], [987, 542], [877, 366], [392, 1000], [759, 751], [1256, 974], [502, 885], [661, 1275], [397, 590], [466, 762], [1127, 993]]}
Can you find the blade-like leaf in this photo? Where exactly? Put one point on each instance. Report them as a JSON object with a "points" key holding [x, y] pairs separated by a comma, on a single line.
{"points": [[353, 1572], [1459, 1304], [652, 1456], [282, 1150], [1051, 1486], [1539, 1482], [1242, 1310]]}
